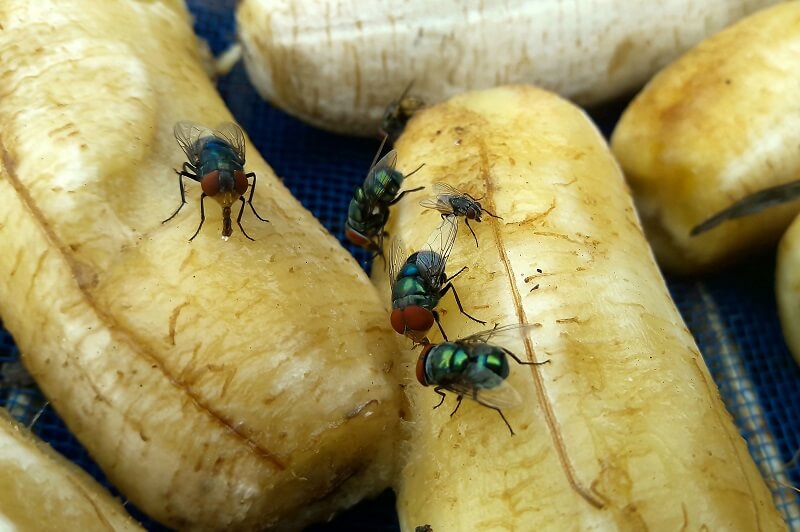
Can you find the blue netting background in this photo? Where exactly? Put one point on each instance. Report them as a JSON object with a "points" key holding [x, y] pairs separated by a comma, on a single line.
{"points": [[733, 315]]}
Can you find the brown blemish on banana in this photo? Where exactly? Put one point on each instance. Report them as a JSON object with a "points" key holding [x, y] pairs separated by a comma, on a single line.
{"points": [[173, 319], [116, 328], [621, 54], [544, 402]]}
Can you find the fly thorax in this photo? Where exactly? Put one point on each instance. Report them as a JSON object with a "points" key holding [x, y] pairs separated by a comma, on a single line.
{"points": [[383, 185], [424, 260], [408, 286], [445, 362]]}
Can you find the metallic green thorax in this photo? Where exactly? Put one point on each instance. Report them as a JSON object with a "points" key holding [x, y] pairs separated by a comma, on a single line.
{"points": [[383, 185], [216, 154], [450, 362], [410, 288]]}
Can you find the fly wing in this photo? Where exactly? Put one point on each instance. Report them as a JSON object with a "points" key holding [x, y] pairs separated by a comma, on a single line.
{"points": [[509, 337], [405, 91], [441, 244], [387, 161], [438, 203], [396, 259], [486, 388], [233, 135], [752, 204], [444, 189], [188, 134], [496, 335]]}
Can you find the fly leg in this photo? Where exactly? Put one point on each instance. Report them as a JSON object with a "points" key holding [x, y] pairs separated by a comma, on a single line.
{"points": [[250, 199], [239, 218], [202, 216], [497, 409], [190, 172], [414, 172], [459, 272], [403, 193], [443, 395], [492, 215], [458, 404], [515, 357], [466, 221], [450, 286], [436, 319]]}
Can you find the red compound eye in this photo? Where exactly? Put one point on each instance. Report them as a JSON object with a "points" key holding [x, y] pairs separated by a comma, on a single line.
{"points": [[210, 183], [240, 182], [398, 323], [421, 365], [418, 318]]}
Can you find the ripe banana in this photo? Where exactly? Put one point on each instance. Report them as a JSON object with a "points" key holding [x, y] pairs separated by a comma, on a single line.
{"points": [[40, 490], [338, 63], [219, 385], [624, 427], [716, 126]]}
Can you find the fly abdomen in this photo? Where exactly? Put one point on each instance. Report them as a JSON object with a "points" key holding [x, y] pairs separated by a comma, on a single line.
{"points": [[493, 359], [355, 211]]}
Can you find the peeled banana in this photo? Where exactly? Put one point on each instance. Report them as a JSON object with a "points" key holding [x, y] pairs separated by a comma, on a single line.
{"points": [[787, 287], [719, 124], [40, 490], [219, 385], [623, 428], [338, 63]]}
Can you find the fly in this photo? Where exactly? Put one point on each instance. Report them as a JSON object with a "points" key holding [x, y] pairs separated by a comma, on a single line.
{"points": [[451, 201], [419, 282], [216, 161], [368, 211], [474, 368], [398, 113]]}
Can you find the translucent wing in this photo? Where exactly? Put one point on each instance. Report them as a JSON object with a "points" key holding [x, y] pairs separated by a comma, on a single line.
{"points": [[509, 337], [445, 189], [397, 258], [441, 244], [486, 388], [233, 135], [387, 161], [187, 134], [405, 91], [499, 335], [437, 203], [752, 204]]}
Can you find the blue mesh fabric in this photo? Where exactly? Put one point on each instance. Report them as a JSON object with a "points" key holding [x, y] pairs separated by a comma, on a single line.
{"points": [[732, 315]]}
